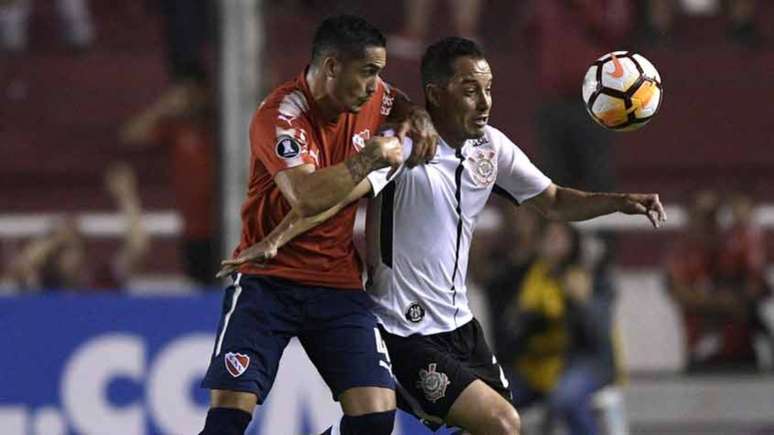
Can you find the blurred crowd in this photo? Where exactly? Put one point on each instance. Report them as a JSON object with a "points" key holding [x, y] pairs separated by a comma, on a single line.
{"points": [[550, 298]]}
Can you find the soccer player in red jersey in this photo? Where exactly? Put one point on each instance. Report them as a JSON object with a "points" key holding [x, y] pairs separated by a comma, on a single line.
{"points": [[313, 140]]}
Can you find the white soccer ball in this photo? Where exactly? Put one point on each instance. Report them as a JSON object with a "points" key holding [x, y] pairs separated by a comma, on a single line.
{"points": [[622, 91]]}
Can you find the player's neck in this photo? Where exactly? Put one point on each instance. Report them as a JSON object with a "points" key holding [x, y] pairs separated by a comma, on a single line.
{"points": [[316, 83], [448, 136], [445, 129]]}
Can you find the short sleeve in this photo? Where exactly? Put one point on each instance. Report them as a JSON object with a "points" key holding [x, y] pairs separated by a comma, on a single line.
{"points": [[279, 143], [516, 175], [379, 178]]}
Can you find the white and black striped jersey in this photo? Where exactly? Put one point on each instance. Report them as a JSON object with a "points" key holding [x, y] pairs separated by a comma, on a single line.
{"points": [[419, 228]]}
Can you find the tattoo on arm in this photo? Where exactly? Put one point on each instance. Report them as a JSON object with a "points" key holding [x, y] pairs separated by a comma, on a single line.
{"points": [[358, 166]]}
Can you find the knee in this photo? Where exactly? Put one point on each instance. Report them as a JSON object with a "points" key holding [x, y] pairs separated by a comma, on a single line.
{"points": [[375, 423], [504, 422], [233, 399]]}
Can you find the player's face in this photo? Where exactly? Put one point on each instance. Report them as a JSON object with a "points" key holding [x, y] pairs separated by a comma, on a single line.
{"points": [[356, 79], [467, 98]]}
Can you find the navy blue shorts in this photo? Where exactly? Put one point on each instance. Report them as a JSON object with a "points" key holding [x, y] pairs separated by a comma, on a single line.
{"points": [[336, 328]]}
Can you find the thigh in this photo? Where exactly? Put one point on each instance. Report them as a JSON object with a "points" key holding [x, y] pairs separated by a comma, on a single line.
{"points": [[429, 378], [257, 321], [480, 359], [342, 340], [480, 407]]}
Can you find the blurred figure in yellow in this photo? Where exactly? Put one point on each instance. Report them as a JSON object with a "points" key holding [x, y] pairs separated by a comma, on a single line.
{"points": [[558, 342], [60, 261]]}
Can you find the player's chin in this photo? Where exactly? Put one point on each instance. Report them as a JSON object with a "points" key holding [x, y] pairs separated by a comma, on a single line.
{"points": [[476, 131]]}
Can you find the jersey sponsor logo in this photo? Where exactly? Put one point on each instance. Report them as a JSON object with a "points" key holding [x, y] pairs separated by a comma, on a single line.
{"points": [[287, 147], [236, 363], [359, 139], [484, 169], [415, 313], [479, 141], [433, 383], [387, 101]]}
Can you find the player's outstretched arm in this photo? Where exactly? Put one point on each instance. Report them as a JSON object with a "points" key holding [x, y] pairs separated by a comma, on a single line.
{"points": [[311, 192], [562, 203], [289, 228]]}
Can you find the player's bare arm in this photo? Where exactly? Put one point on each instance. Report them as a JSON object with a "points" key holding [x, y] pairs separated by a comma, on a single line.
{"points": [[289, 228], [411, 120], [311, 192], [563, 203]]}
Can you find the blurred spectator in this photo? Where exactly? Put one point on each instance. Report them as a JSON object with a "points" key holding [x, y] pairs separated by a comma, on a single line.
{"points": [[557, 341], [741, 13], [186, 30], [409, 43], [60, 261], [190, 138], [188, 134], [509, 257], [573, 150], [181, 119], [14, 21], [717, 280]]}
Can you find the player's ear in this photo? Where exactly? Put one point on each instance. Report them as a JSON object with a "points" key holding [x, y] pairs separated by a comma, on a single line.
{"points": [[432, 92], [330, 66]]}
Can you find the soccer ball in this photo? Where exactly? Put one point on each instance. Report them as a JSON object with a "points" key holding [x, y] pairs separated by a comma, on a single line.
{"points": [[622, 91]]}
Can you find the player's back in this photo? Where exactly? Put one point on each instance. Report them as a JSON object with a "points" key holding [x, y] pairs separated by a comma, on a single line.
{"points": [[287, 131]]}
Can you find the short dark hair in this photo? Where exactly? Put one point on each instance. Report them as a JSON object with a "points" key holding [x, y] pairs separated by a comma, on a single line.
{"points": [[439, 57], [345, 35]]}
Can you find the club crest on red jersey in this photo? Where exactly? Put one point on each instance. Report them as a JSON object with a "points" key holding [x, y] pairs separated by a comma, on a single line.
{"points": [[236, 363]]}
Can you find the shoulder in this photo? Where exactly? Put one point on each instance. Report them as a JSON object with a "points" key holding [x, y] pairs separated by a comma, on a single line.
{"points": [[287, 101], [497, 138], [283, 112]]}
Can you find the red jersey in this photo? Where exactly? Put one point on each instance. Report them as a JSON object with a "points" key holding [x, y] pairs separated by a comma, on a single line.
{"points": [[287, 131]]}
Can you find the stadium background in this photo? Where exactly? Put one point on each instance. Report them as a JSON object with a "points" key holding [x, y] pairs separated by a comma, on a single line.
{"points": [[127, 361]]}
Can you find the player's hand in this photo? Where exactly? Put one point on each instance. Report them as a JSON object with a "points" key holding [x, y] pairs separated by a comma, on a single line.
{"points": [[257, 254], [420, 129], [384, 151], [646, 204]]}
